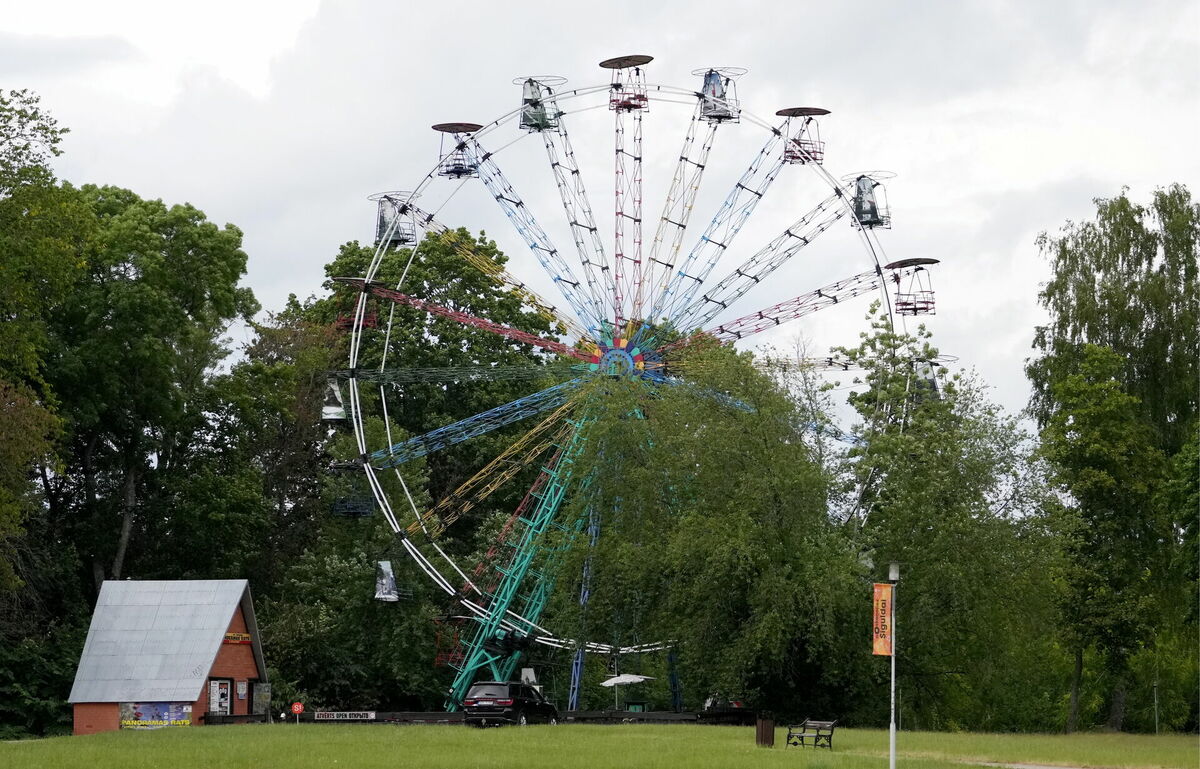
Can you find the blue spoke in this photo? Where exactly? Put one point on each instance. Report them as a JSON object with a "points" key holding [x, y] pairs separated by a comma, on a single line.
{"points": [[471, 427]]}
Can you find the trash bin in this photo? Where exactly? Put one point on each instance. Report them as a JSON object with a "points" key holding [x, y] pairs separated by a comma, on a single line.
{"points": [[764, 731]]}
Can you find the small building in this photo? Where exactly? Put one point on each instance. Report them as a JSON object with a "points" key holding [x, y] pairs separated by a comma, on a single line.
{"points": [[170, 653]]}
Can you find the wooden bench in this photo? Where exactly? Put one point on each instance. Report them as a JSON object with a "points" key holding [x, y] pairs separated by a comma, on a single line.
{"points": [[817, 734]]}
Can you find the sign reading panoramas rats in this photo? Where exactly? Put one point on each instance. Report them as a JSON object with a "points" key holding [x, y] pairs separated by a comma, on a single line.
{"points": [[155, 715]]}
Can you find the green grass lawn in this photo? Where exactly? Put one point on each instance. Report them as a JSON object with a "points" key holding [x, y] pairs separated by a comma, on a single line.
{"points": [[546, 747]]}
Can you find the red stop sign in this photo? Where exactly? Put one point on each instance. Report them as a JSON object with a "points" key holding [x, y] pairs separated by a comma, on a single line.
{"points": [[297, 707]]}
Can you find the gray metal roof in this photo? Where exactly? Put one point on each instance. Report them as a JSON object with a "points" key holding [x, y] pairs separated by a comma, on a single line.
{"points": [[155, 641]]}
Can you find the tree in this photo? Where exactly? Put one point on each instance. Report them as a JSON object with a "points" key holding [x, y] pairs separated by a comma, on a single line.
{"points": [[946, 484], [1106, 461], [1118, 363], [1128, 281], [26, 429], [128, 357], [29, 137], [42, 228]]}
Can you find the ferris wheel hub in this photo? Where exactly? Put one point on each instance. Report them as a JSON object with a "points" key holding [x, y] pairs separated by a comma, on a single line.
{"points": [[618, 359]]}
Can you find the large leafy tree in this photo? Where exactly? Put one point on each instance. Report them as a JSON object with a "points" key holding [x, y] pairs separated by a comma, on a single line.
{"points": [[1127, 280], [43, 226], [945, 483], [1105, 459], [1116, 387], [129, 353]]}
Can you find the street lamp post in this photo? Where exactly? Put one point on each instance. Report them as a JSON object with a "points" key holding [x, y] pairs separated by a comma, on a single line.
{"points": [[893, 577]]}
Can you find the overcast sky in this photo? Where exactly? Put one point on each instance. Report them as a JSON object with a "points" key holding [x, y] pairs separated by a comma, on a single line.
{"points": [[1000, 119]]}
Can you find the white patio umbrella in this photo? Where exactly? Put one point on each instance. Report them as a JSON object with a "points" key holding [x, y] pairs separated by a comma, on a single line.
{"points": [[622, 680]]}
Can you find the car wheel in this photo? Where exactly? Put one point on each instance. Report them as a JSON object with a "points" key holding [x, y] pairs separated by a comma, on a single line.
{"points": [[522, 720]]}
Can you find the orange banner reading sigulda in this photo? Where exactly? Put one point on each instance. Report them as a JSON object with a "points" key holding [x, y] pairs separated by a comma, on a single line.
{"points": [[881, 634]]}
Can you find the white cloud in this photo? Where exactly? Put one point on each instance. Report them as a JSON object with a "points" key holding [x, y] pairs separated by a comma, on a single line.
{"points": [[1002, 120]]}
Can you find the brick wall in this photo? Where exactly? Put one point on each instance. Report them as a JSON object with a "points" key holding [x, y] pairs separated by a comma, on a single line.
{"points": [[92, 717], [235, 661]]}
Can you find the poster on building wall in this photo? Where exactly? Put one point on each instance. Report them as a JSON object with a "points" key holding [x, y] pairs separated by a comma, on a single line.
{"points": [[155, 715], [218, 697]]}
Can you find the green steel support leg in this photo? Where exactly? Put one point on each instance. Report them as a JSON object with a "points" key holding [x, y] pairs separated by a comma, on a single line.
{"points": [[489, 632]]}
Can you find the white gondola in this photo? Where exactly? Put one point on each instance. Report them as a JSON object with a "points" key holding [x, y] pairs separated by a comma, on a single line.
{"points": [[538, 110], [334, 408], [388, 207], [385, 583]]}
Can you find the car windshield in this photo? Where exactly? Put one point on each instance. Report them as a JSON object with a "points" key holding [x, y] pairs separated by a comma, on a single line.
{"points": [[486, 691]]}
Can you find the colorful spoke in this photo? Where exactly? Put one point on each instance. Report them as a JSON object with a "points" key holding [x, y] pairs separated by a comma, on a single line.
{"points": [[516, 334], [553, 370], [737, 208], [499, 471], [797, 307], [569, 180], [677, 211], [471, 427], [705, 392], [627, 255], [755, 269], [470, 251], [535, 237]]}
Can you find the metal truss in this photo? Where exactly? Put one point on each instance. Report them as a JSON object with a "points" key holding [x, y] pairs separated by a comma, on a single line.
{"points": [[578, 209], [516, 334], [628, 183], [752, 272], [677, 210], [534, 236], [493, 646], [585, 594], [485, 422], [469, 251], [705, 392], [488, 562], [797, 307], [737, 208], [510, 373]]}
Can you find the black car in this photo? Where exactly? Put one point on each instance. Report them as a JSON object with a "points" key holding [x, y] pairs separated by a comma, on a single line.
{"points": [[492, 703]]}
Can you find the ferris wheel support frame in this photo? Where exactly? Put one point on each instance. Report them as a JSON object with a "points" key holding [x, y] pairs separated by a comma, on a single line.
{"points": [[501, 617]]}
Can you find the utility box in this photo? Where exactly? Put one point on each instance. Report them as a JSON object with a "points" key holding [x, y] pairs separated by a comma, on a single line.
{"points": [[764, 731]]}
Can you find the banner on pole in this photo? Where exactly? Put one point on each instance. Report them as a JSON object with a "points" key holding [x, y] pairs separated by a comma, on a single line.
{"points": [[881, 633]]}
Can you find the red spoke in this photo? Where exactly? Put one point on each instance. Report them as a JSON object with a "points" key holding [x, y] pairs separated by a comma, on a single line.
{"points": [[509, 332]]}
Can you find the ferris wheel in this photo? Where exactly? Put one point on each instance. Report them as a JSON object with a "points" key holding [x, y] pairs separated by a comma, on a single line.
{"points": [[635, 288]]}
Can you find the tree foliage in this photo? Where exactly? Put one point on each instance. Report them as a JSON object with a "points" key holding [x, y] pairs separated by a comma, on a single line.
{"points": [[735, 518], [946, 485], [1116, 388], [29, 137], [1128, 281]]}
